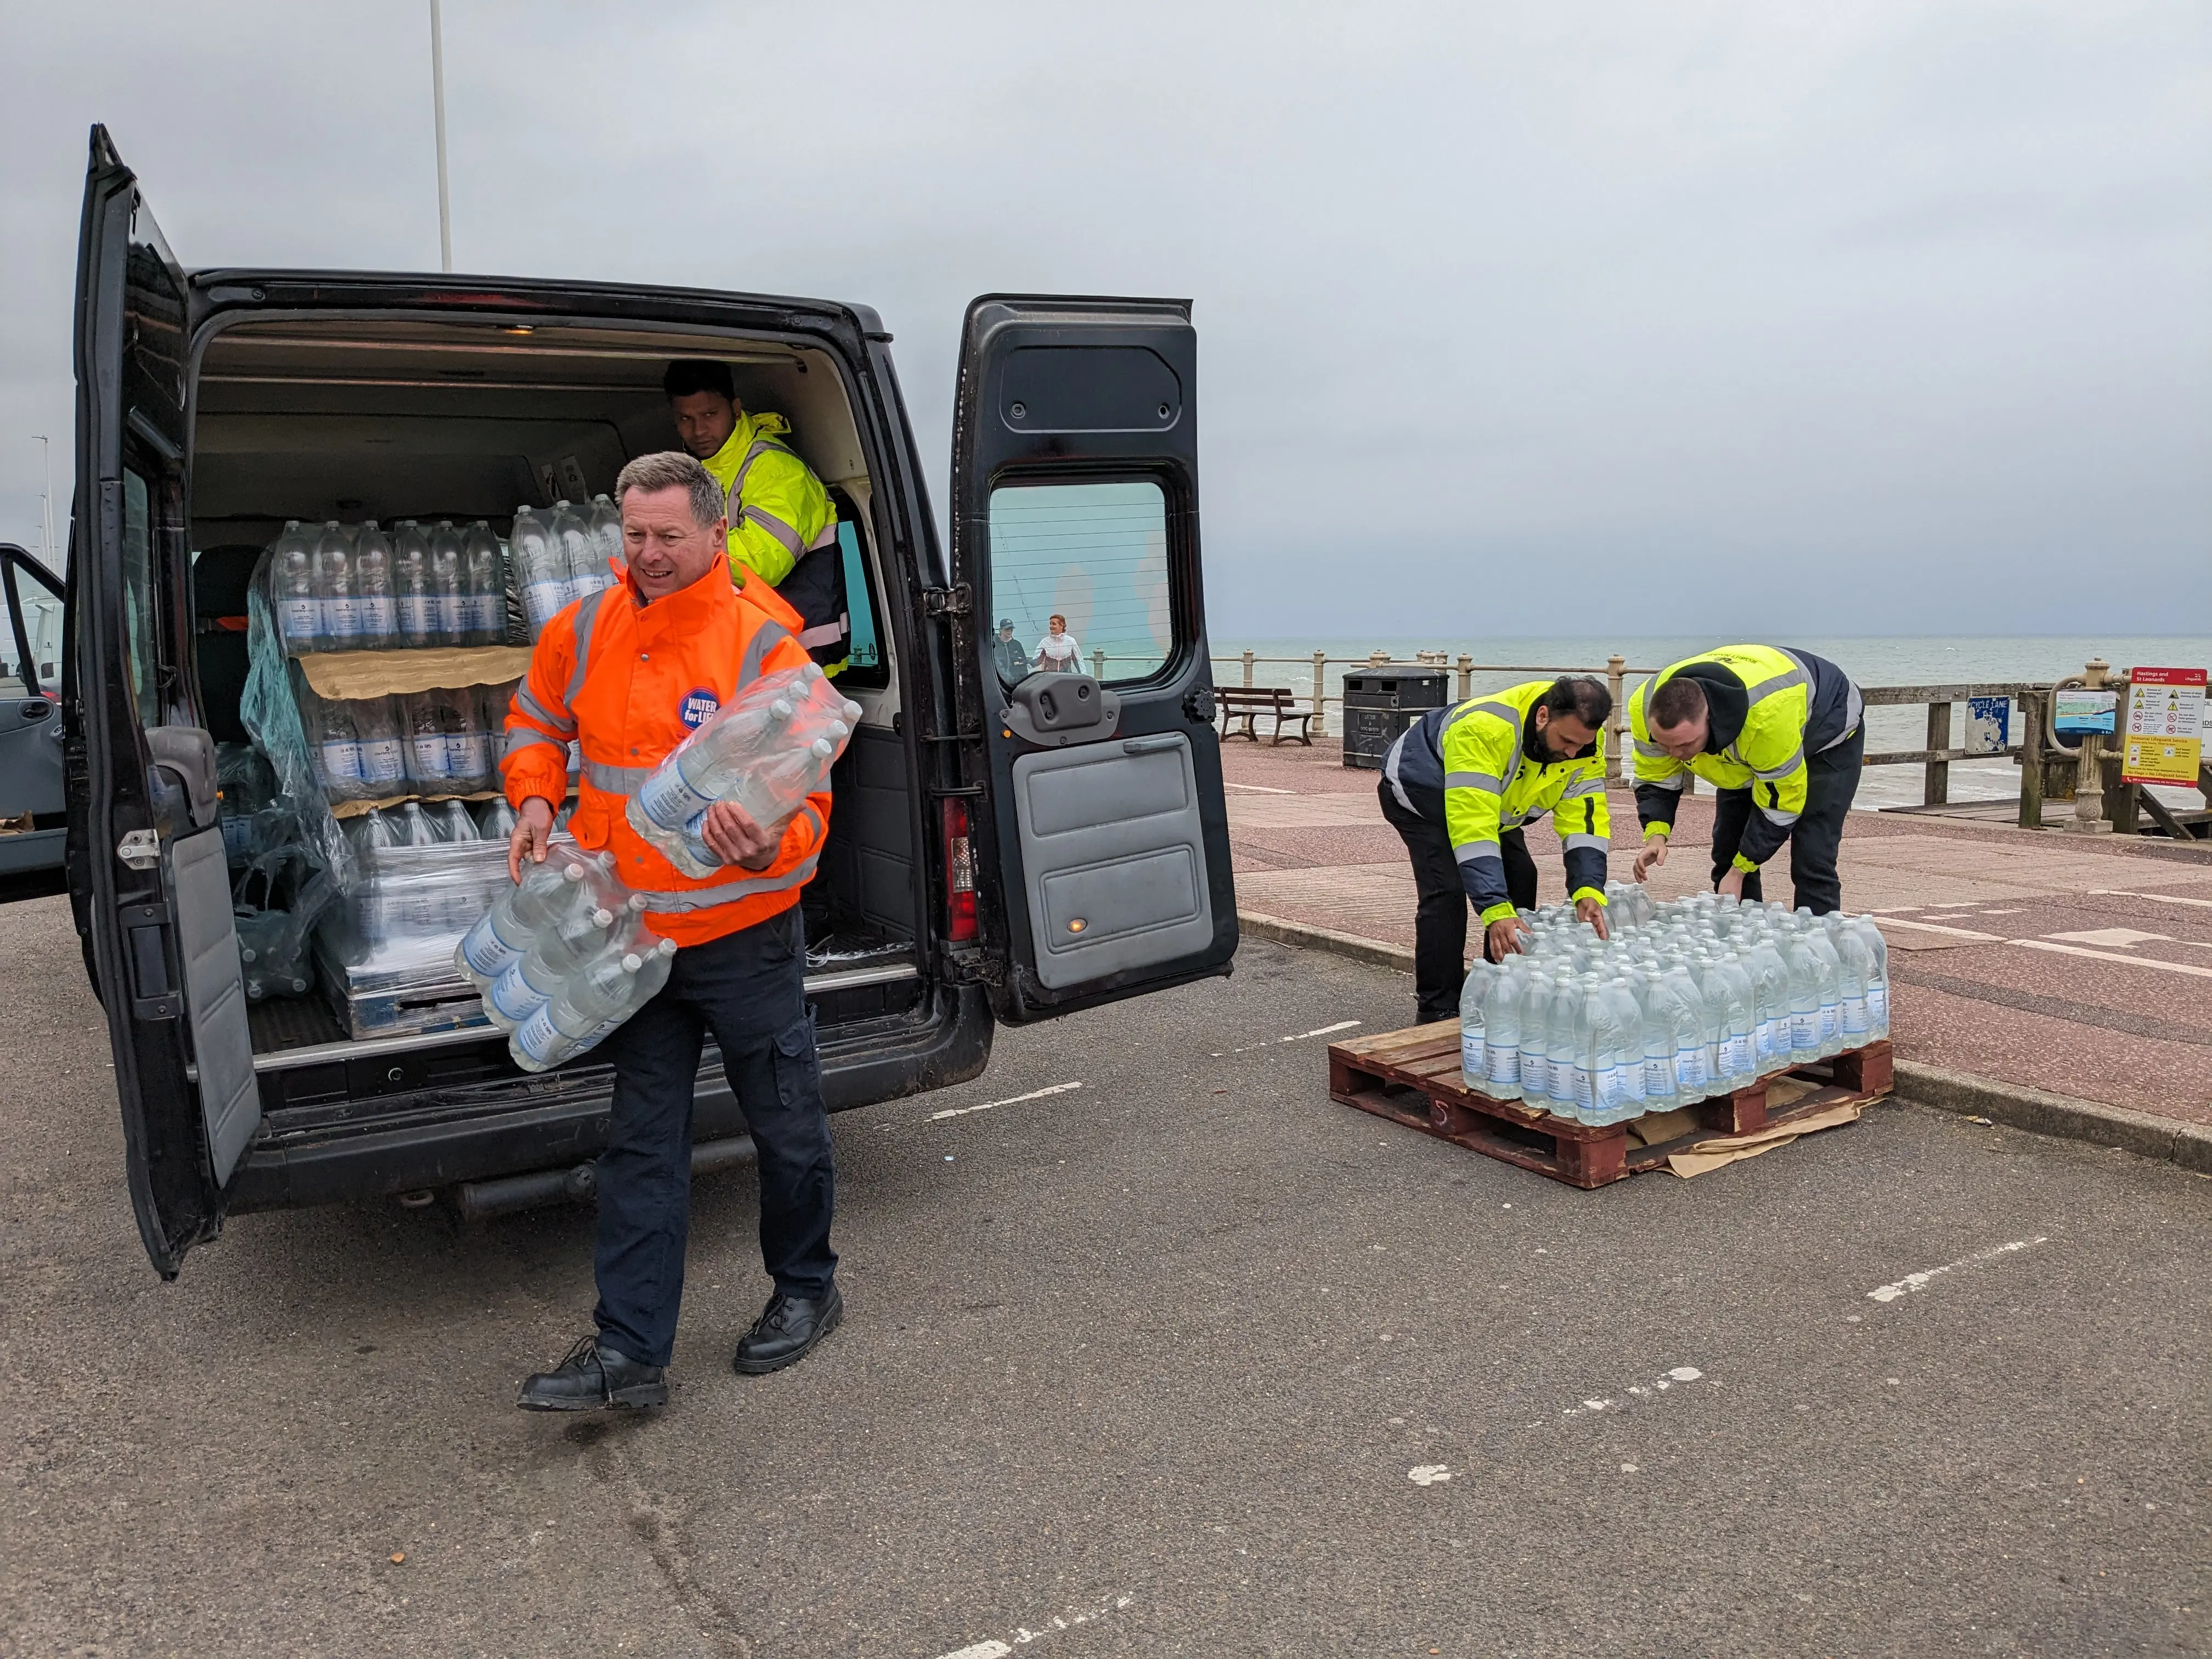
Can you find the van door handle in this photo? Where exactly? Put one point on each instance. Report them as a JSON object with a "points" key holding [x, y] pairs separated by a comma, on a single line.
{"points": [[1153, 745]]}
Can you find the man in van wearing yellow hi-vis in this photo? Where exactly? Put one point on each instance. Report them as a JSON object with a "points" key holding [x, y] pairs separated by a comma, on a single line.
{"points": [[1779, 734], [1461, 784], [783, 527]]}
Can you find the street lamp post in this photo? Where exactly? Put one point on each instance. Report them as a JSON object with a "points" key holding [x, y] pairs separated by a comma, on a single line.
{"points": [[438, 99]]}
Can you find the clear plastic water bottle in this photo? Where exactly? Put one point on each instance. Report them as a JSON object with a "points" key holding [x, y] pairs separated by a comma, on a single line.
{"points": [[554, 953], [292, 582], [483, 586], [429, 765], [1686, 1013], [447, 553], [1572, 1083], [341, 628], [1869, 932], [1855, 964], [1730, 1000], [468, 766], [454, 823], [1804, 997], [1830, 970], [372, 832], [1538, 1003], [417, 611], [1658, 1041], [604, 524], [502, 937], [1501, 1059], [415, 829], [373, 596], [338, 751], [1770, 982], [495, 819], [573, 543], [383, 748], [539, 570]]}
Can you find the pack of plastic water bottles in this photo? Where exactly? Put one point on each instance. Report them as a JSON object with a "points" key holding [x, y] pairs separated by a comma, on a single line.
{"points": [[563, 957], [338, 587], [1688, 999], [562, 553], [767, 749]]}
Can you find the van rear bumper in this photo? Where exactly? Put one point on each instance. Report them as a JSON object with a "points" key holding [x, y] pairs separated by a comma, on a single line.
{"points": [[363, 1161]]}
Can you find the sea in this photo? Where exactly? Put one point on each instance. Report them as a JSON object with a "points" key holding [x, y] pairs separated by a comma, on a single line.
{"points": [[1897, 660]]}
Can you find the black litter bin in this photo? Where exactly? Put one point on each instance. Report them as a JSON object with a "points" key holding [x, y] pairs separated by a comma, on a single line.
{"points": [[1379, 703]]}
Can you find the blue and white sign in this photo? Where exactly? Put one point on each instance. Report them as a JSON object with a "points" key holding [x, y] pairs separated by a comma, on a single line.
{"points": [[2082, 713], [1989, 725]]}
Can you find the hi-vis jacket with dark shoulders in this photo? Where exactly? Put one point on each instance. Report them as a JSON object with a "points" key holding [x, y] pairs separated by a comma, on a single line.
{"points": [[628, 681], [1480, 770], [1768, 711], [783, 529]]}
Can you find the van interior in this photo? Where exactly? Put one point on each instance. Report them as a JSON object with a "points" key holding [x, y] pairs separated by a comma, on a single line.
{"points": [[383, 419]]}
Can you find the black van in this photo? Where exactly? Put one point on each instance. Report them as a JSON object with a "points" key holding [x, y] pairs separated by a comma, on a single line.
{"points": [[1012, 850]]}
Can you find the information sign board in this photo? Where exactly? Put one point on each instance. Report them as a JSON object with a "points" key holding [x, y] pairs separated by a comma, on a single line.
{"points": [[2165, 740], [2080, 712]]}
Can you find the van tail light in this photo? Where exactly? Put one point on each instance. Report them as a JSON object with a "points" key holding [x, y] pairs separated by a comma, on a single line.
{"points": [[959, 875]]}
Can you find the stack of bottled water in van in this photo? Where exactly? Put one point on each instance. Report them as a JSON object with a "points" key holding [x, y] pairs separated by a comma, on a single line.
{"points": [[446, 741], [766, 751], [563, 957], [568, 553], [1689, 999], [352, 588]]}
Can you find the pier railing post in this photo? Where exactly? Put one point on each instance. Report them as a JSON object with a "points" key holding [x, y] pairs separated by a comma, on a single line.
{"points": [[1935, 789], [1616, 676], [2089, 781], [1465, 677], [1248, 669], [1321, 714], [2031, 762]]}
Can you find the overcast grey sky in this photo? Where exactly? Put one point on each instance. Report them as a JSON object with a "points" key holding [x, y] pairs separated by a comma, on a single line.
{"points": [[1621, 317]]}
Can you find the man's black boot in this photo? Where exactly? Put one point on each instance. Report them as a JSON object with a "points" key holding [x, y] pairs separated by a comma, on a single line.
{"points": [[591, 1377], [787, 1329]]}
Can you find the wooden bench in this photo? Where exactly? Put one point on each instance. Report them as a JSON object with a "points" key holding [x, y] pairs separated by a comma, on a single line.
{"points": [[1248, 702]]}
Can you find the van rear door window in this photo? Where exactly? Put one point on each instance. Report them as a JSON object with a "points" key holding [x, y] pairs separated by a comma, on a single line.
{"points": [[1079, 571]]}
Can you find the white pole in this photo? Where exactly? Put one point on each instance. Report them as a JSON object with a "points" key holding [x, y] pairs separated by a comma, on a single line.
{"points": [[46, 500], [438, 98]]}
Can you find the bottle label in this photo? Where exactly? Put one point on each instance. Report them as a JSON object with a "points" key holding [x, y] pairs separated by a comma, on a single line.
{"points": [[1502, 1064], [1804, 1030], [342, 619], [1832, 1019], [544, 600], [1536, 1074], [1854, 1017], [539, 1038], [383, 760], [1658, 1077], [1769, 1042], [1735, 1055], [1585, 1088], [513, 996], [380, 616], [299, 618], [341, 764], [488, 954], [430, 758], [1632, 1084], [1689, 1068], [1608, 1087], [1878, 1004], [417, 615], [668, 798], [1474, 1059], [488, 613]]}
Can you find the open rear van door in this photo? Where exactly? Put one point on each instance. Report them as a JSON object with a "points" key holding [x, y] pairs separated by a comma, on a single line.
{"points": [[1103, 865], [31, 798], [147, 869]]}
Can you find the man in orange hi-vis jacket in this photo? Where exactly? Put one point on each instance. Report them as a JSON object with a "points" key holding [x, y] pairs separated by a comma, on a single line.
{"points": [[627, 673]]}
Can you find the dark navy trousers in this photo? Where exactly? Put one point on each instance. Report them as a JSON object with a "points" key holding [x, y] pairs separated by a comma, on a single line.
{"points": [[748, 988]]}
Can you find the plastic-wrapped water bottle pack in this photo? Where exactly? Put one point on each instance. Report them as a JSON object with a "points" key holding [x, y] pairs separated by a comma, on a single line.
{"points": [[1688, 999], [563, 957], [767, 749], [339, 587]]}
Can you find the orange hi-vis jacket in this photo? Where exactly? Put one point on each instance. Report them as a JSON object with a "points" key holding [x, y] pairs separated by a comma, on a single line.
{"points": [[628, 681]]}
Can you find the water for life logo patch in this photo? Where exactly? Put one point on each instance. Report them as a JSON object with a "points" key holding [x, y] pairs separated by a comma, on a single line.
{"points": [[698, 707]]}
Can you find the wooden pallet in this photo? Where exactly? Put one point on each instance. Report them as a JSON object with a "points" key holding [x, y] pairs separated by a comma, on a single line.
{"points": [[1412, 1076]]}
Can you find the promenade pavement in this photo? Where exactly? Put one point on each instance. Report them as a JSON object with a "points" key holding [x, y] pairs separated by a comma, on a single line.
{"points": [[2078, 966]]}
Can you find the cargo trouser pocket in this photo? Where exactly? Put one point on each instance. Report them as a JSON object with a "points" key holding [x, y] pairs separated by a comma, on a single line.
{"points": [[797, 1069]]}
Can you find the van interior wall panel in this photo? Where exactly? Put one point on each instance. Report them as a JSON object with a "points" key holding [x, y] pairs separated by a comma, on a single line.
{"points": [[353, 419]]}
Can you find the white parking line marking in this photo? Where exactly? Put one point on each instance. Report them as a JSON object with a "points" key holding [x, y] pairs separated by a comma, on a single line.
{"points": [[1912, 1282], [2162, 898], [1257, 788], [1954, 932], [2111, 939], [1428, 1474], [1295, 1037], [1011, 1100], [992, 1647], [2112, 956]]}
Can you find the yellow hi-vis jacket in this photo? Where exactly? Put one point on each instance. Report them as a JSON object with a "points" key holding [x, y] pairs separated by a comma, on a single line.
{"points": [[1480, 770], [778, 509], [1768, 711]]}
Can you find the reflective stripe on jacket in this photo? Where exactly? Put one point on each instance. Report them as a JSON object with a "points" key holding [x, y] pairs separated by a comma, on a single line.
{"points": [[628, 681], [1769, 711], [1480, 770], [780, 517]]}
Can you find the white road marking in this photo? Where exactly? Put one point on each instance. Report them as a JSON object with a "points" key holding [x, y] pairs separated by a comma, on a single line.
{"points": [[1295, 1037], [2111, 939], [1953, 933], [992, 1647], [1912, 1282], [1257, 788], [2162, 898], [1428, 1474], [2112, 956], [1011, 1100]]}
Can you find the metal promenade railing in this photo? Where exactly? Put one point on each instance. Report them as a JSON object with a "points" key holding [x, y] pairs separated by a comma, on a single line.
{"points": [[2087, 774]]}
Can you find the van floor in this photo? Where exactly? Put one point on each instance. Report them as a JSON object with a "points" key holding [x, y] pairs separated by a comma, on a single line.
{"points": [[286, 1022]]}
